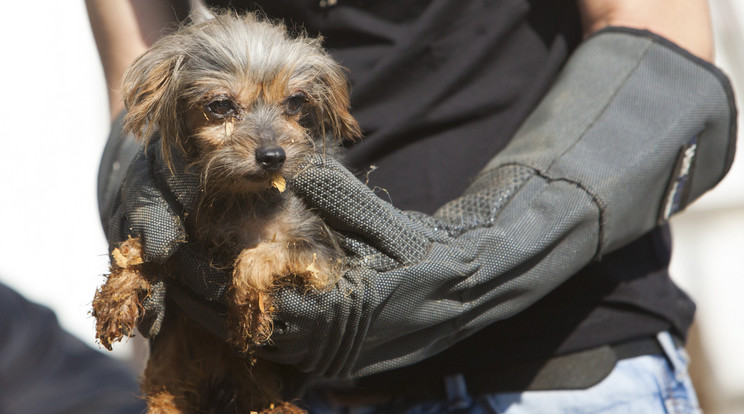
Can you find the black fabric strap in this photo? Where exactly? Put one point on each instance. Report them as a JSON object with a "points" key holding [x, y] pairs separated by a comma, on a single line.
{"points": [[578, 370]]}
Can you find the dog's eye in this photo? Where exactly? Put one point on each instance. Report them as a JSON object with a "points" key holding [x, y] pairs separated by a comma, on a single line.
{"points": [[221, 108], [293, 105]]}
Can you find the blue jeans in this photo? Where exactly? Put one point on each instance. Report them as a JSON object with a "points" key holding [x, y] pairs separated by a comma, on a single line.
{"points": [[645, 384]]}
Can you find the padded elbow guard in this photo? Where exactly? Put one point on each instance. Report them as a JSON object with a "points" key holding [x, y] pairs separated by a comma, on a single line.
{"points": [[626, 104]]}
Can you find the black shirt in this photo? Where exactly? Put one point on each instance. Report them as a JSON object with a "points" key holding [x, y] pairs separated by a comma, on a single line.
{"points": [[439, 87]]}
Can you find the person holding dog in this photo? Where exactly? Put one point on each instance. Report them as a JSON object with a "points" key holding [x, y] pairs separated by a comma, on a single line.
{"points": [[532, 152]]}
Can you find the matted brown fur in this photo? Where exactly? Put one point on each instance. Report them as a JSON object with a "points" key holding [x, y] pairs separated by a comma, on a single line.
{"points": [[244, 103]]}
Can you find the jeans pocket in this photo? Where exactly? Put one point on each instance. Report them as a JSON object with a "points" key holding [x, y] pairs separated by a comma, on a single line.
{"points": [[676, 384]]}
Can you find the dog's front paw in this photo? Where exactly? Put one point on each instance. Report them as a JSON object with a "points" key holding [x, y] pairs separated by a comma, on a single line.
{"points": [[250, 311], [249, 319], [315, 269], [260, 270], [116, 306]]}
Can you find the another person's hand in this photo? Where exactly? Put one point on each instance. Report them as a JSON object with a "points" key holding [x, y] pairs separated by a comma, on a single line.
{"points": [[684, 22], [124, 29]]}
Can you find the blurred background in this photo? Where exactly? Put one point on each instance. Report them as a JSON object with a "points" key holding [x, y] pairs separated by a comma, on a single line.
{"points": [[54, 121]]}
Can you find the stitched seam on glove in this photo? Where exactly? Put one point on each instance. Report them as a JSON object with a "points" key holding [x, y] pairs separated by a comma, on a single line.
{"points": [[601, 207]]}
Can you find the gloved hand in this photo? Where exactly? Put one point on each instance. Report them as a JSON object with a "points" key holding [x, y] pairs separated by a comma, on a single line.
{"points": [[634, 129], [604, 158], [150, 204]]}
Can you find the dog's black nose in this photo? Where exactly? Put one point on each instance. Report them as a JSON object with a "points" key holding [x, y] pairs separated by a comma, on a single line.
{"points": [[270, 159]]}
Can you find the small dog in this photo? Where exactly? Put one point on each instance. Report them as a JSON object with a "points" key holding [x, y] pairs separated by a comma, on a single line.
{"points": [[244, 103]]}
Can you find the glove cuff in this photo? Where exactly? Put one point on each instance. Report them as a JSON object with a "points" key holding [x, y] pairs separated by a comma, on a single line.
{"points": [[627, 102], [118, 153]]}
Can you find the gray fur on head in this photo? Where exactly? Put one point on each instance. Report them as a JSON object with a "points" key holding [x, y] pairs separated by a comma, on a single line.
{"points": [[224, 52]]}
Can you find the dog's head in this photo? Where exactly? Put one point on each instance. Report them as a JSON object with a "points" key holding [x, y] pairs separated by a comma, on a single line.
{"points": [[240, 97]]}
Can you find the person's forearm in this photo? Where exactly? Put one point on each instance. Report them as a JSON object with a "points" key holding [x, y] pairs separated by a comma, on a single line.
{"points": [[123, 30], [633, 130], [684, 22]]}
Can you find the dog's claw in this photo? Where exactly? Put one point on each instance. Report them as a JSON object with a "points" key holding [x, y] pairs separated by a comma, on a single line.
{"points": [[112, 336], [112, 328]]}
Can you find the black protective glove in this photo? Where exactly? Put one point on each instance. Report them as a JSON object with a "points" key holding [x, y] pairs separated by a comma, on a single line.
{"points": [[633, 130]]}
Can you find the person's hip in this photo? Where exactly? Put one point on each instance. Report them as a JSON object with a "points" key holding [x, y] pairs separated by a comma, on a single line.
{"points": [[645, 377]]}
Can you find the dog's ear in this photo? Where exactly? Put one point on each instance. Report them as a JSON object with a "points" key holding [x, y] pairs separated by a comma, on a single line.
{"points": [[334, 114], [150, 91]]}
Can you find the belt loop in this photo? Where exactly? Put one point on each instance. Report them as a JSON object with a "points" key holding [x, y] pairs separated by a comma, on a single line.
{"points": [[675, 358], [457, 392]]}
